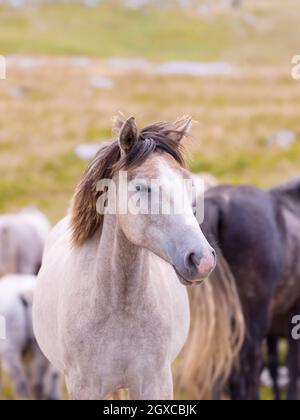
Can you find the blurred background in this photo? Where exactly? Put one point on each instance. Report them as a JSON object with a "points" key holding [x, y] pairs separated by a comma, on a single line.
{"points": [[70, 66]]}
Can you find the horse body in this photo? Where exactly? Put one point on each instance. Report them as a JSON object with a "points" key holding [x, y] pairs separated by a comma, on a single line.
{"points": [[243, 222], [22, 239], [38, 380], [286, 299], [258, 234], [110, 312], [288, 289], [136, 316], [249, 238]]}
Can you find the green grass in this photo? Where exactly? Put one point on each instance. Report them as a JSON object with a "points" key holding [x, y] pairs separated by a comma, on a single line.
{"points": [[60, 109], [266, 394], [110, 29], [249, 167], [49, 185]]}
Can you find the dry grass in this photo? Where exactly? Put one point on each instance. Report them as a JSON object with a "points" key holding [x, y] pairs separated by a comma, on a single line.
{"points": [[60, 109]]}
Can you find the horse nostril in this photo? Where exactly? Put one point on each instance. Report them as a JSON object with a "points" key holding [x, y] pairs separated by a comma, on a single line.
{"points": [[193, 261], [196, 262]]}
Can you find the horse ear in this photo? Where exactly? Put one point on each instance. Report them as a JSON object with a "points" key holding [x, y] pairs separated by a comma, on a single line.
{"points": [[129, 135], [181, 128]]}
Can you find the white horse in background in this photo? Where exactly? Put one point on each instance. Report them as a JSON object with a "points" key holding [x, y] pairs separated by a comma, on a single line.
{"points": [[22, 239], [38, 380], [110, 309]]}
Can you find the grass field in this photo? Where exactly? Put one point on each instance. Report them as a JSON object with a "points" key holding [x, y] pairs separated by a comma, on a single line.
{"points": [[172, 33], [56, 107], [59, 109]]}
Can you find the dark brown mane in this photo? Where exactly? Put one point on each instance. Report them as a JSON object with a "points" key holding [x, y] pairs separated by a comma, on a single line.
{"points": [[160, 137]]}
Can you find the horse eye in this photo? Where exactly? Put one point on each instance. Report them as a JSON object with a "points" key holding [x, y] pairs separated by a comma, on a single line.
{"points": [[149, 190], [138, 188]]}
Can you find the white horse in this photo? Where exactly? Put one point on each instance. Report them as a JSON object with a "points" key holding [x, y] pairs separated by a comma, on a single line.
{"points": [[110, 309], [38, 380], [22, 240]]}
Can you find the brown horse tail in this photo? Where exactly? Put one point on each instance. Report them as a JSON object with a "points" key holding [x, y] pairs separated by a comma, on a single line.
{"points": [[216, 336]]}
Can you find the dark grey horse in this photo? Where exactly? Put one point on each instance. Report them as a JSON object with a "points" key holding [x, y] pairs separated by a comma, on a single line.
{"points": [[258, 233]]}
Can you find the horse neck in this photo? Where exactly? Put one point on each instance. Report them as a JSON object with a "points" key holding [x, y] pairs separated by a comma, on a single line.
{"points": [[122, 267]]}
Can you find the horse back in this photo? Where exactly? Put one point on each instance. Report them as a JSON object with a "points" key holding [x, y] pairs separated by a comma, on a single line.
{"points": [[244, 224]]}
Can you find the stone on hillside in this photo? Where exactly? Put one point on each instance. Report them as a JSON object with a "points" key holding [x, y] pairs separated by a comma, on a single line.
{"points": [[283, 139], [99, 82], [193, 68], [87, 151]]}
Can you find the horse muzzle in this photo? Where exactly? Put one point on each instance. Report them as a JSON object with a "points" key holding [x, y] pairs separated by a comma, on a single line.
{"points": [[196, 267]]}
